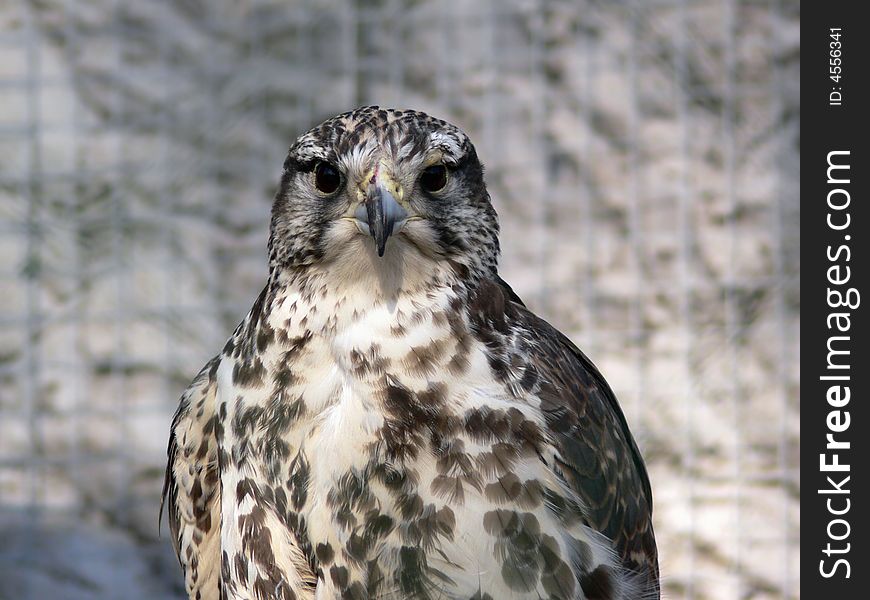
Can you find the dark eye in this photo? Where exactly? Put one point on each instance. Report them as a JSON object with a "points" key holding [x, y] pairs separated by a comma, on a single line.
{"points": [[326, 177], [433, 178]]}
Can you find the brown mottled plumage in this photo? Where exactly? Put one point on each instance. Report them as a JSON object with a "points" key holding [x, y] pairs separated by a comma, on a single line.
{"points": [[389, 420]]}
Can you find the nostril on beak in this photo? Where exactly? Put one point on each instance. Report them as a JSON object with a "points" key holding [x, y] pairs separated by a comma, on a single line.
{"points": [[379, 215]]}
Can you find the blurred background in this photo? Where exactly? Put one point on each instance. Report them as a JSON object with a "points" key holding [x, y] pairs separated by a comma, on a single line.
{"points": [[644, 159]]}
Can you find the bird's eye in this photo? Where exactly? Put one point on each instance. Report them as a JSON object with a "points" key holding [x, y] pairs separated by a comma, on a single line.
{"points": [[433, 178], [326, 177]]}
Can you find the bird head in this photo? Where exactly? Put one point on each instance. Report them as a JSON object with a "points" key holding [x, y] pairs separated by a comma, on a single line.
{"points": [[375, 189]]}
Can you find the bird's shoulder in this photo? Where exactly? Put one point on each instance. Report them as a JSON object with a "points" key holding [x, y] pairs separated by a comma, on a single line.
{"points": [[596, 454]]}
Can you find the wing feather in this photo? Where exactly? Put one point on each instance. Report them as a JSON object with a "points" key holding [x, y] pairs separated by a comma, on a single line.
{"points": [[597, 455], [191, 489]]}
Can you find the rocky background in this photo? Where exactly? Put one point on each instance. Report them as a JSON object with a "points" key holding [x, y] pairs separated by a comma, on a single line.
{"points": [[644, 159]]}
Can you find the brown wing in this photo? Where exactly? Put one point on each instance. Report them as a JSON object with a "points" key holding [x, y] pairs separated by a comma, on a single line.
{"points": [[192, 486], [597, 455]]}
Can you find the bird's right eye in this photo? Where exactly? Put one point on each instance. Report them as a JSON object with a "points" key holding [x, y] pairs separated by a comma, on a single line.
{"points": [[326, 177]]}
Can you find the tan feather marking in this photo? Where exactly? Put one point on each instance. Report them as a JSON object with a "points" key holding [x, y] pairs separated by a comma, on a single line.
{"points": [[424, 360]]}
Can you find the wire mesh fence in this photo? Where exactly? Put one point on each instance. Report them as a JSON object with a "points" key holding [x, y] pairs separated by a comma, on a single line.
{"points": [[643, 157]]}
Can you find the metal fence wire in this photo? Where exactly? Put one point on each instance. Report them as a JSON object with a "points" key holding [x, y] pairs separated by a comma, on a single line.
{"points": [[643, 157]]}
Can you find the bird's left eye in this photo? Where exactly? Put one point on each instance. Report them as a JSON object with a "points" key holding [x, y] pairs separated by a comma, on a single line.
{"points": [[433, 178], [326, 177]]}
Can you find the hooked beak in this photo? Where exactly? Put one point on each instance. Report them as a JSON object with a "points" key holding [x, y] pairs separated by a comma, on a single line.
{"points": [[380, 215]]}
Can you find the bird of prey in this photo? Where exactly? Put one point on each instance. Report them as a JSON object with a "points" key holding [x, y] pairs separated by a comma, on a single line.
{"points": [[389, 420]]}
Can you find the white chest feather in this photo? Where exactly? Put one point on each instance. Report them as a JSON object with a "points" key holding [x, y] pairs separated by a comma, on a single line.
{"points": [[381, 443]]}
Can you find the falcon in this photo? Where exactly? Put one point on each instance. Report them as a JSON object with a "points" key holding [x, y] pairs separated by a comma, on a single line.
{"points": [[389, 420]]}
